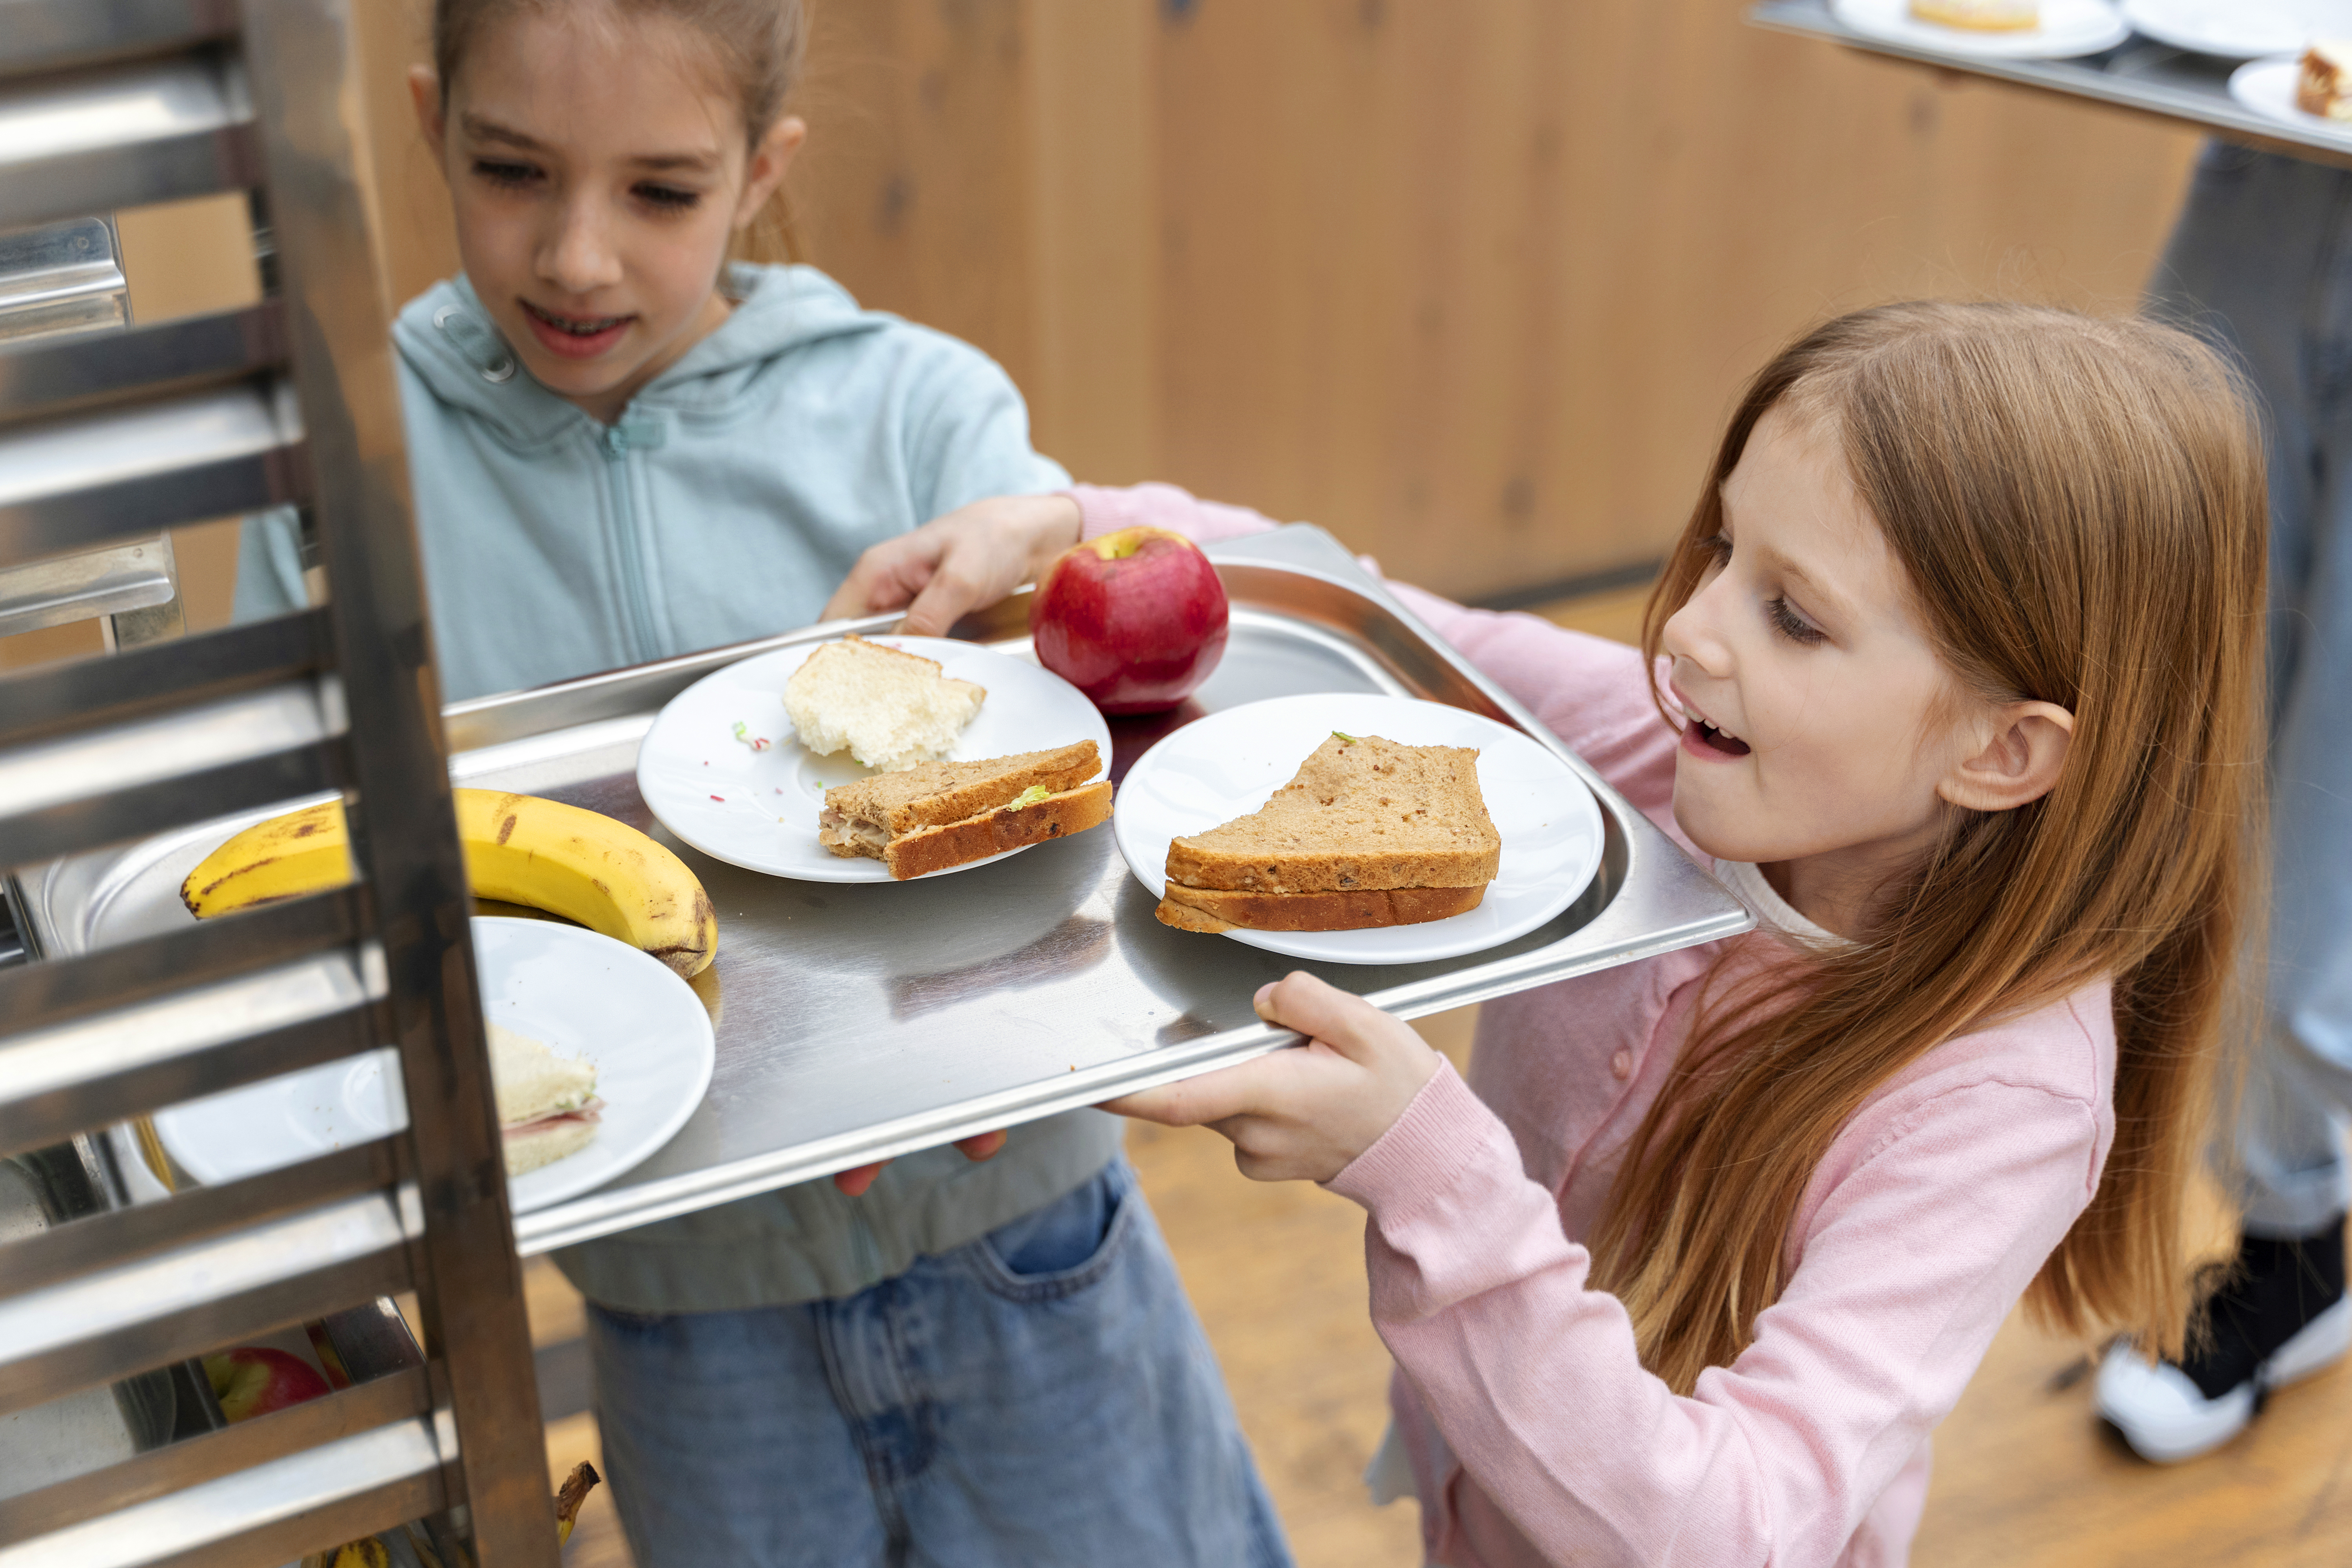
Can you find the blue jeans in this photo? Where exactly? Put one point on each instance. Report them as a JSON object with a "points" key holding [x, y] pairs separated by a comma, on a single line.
{"points": [[2262, 259], [1041, 1397]]}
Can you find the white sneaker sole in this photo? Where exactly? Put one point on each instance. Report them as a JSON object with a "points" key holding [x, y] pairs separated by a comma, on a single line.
{"points": [[2166, 1419]]}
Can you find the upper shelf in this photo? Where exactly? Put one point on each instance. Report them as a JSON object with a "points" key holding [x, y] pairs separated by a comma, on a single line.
{"points": [[2151, 77]]}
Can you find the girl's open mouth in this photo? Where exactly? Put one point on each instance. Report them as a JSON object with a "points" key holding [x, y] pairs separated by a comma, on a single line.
{"points": [[574, 337], [1706, 739]]}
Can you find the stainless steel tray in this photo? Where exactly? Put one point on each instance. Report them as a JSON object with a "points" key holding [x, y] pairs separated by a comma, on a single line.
{"points": [[2141, 74], [861, 1021]]}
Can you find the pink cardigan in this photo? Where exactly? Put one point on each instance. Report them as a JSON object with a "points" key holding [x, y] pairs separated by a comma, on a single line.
{"points": [[1535, 1434]]}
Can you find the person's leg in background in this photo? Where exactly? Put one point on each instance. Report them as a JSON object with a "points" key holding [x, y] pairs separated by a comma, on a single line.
{"points": [[2262, 259]]}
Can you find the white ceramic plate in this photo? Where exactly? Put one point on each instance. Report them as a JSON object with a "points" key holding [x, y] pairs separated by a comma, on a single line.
{"points": [[2069, 27], [2267, 87], [1229, 763], [2230, 29], [758, 809], [581, 993]]}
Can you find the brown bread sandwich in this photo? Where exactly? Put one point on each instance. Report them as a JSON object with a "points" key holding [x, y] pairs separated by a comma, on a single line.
{"points": [[1369, 833], [937, 815]]}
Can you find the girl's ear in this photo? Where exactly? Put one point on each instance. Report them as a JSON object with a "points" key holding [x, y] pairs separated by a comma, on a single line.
{"points": [[424, 93], [2020, 764], [770, 160]]}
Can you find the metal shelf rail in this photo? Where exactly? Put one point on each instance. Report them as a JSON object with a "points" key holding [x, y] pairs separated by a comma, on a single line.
{"points": [[289, 403], [2139, 75]]}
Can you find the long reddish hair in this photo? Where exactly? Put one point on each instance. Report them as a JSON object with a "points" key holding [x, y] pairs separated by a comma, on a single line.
{"points": [[2079, 505]]}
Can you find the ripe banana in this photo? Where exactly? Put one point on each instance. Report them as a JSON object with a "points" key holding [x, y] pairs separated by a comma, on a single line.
{"points": [[579, 864], [366, 1552]]}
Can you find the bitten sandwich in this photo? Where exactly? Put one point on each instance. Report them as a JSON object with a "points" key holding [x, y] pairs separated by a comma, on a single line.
{"points": [[2322, 86], [547, 1103], [1369, 833], [937, 815], [889, 709]]}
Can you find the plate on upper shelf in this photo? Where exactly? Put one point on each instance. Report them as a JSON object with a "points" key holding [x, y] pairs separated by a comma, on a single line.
{"points": [[758, 809], [579, 994], [1230, 762], [2069, 27], [2267, 87], [2229, 30]]}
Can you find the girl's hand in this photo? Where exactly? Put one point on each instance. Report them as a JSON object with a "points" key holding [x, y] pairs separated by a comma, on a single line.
{"points": [[855, 1180], [1303, 1115], [965, 561]]}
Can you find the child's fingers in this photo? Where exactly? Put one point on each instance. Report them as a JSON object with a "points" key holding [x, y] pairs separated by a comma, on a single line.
{"points": [[855, 1180], [886, 577], [1320, 1011], [958, 586], [1237, 1091], [982, 1146]]}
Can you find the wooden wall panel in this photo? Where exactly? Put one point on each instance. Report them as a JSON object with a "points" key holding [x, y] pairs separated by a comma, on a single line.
{"points": [[1472, 282]]}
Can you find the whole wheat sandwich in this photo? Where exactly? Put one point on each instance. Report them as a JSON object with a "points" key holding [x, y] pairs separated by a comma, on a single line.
{"points": [[1369, 833], [936, 815], [889, 709], [548, 1107]]}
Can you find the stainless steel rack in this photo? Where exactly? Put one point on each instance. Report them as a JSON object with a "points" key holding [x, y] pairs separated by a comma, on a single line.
{"points": [[115, 437]]}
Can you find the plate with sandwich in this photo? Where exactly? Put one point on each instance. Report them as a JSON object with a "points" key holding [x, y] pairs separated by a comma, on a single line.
{"points": [[1990, 29], [598, 1055], [875, 760], [1358, 829], [2312, 91]]}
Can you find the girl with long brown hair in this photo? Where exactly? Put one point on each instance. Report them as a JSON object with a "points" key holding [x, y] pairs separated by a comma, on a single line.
{"points": [[1953, 677]]}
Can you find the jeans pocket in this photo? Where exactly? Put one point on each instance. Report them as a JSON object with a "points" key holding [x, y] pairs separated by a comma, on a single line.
{"points": [[1047, 1255]]}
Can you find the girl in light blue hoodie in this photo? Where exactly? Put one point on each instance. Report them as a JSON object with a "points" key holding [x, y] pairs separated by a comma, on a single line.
{"points": [[623, 451]]}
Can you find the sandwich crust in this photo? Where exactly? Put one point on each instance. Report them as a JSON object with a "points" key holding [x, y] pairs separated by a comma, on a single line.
{"points": [[993, 832], [1363, 814], [930, 794], [1209, 909]]}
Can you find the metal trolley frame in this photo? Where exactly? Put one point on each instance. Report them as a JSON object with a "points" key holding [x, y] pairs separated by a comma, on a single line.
{"points": [[292, 402]]}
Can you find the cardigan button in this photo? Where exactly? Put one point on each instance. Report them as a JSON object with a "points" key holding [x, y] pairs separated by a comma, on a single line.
{"points": [[1622, 1064]]}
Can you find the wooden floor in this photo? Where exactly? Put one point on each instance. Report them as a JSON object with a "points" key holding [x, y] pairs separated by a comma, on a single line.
{"points": [[2024, 1476]]}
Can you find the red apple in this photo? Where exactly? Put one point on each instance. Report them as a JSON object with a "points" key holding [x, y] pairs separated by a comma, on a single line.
{"points": [[1134, 619], [253, 1380]]}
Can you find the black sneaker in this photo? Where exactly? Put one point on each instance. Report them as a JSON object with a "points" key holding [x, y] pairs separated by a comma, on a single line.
{"points": [[2281, 1314]]}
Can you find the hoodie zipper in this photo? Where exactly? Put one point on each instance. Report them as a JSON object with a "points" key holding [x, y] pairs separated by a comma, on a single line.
{"points": [[619, 440]]}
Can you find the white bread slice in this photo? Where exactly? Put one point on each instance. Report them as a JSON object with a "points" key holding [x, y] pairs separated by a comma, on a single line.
{"points": [[531, 1080], [528, 1150], [889, 710]]}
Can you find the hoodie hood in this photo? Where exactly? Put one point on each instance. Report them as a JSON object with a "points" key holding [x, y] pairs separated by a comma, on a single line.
{"points": [[446, 339]]}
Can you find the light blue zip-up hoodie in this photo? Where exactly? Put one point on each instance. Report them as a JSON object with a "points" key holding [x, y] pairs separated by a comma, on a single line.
{"points": [[727, 502]]}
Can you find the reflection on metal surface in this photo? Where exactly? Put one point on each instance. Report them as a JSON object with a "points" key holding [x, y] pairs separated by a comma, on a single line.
{"points": [[233, 730], [40, 462], [64, 278], [122, 136], [1076, 944], [69, 588]]}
